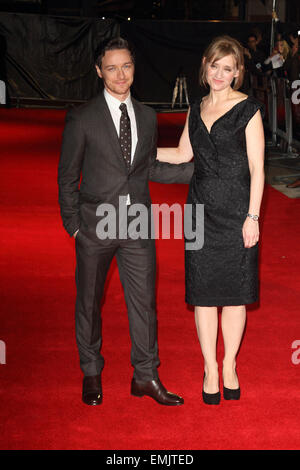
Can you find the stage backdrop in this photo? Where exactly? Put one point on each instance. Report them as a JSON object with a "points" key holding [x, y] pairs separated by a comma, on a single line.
{"points": [[52, 57], [164, 49]]}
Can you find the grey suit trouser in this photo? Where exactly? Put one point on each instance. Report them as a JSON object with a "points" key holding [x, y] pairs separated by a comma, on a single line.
{"points": [[137, 266]]}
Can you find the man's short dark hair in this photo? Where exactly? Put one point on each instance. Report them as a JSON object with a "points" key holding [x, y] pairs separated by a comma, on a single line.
{"points": [[112, 45], [294, 34]]}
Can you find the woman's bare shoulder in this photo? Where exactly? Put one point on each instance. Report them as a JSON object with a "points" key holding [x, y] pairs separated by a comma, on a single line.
{"points": [[239, 96]]}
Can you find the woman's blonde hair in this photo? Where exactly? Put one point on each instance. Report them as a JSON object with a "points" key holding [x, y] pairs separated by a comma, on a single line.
{"points": [[219, 48], [285, 48]]}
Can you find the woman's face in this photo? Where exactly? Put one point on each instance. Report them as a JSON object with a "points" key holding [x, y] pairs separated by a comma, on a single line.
{"points": [[220, 73], [279, 46]]}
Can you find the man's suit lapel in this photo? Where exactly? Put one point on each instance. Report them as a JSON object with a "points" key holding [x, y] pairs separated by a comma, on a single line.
{"points": [[140, 127]]}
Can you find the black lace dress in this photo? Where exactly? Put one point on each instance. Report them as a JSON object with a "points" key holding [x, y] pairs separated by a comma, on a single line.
{"points": [[223, 271]]}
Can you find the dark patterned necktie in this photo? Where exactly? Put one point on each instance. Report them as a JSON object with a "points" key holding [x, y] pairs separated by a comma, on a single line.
{"points": [[125, 134]]}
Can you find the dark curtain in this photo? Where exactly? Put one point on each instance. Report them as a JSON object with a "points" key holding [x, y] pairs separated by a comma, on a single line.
{"points": [[52, 57], [163, 49]]}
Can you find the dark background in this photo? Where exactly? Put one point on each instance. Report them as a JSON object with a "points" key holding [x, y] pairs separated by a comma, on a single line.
{"points": [[144, 9], [47, 46]]}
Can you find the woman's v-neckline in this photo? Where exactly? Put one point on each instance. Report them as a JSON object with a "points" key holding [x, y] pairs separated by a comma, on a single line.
{"points": [[221, 117]]}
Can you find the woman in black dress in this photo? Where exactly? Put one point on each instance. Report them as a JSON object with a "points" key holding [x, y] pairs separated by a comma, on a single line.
{"points": [[224, 133]]}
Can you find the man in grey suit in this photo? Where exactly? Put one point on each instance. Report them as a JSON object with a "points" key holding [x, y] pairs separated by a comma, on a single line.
{"points": [[111, 143]]}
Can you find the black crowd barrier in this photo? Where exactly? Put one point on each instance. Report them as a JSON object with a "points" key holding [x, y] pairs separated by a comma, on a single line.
{"points": [[282, 102]]}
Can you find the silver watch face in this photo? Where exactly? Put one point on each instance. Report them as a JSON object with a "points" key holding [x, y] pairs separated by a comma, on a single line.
{"points": [[255, 217]]}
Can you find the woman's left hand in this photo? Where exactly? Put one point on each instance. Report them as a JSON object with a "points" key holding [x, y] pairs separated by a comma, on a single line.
{"points": [[250, 232]]}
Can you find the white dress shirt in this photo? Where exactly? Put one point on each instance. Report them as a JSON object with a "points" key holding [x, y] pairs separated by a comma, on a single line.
{"points": [[114, 108], [276, 61]]}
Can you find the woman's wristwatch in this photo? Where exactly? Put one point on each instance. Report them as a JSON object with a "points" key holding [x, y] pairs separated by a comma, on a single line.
{"points": [[254, 217]]}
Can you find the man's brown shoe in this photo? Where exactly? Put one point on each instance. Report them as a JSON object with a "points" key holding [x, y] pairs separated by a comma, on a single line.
{"points": [[155, 390], [92, 390]]}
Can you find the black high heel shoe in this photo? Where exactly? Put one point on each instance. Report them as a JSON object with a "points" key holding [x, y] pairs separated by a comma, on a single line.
{"points": [[230, 393], [210, 398]]}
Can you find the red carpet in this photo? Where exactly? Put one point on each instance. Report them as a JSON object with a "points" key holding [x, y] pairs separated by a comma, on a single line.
{"points": [[40, 384]]}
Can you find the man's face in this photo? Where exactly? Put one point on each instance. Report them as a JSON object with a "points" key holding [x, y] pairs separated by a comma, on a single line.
{"points": [[117, 72], [252, 43]]}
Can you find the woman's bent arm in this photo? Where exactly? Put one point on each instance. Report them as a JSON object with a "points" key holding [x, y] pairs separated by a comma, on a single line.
{"points": [[255, 150], [181, 154]]}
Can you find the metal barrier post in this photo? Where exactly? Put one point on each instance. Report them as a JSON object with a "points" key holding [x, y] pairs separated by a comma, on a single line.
{"points": [[289, 118], [273, 109], [287, 135]]}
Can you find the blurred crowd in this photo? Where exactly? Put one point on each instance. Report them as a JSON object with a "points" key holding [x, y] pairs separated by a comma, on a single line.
{"points": [[283, 61]]}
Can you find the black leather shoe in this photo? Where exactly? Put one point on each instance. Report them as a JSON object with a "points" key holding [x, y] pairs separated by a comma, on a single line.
{"points": [[210, 398], [92, 390], [155, 390]]}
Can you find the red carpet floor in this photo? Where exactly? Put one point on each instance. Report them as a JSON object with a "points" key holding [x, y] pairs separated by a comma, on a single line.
{"points": [[40, 384]]}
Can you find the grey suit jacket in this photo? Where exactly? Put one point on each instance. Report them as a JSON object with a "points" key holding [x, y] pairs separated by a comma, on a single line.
{"points": [[91, 152]]}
